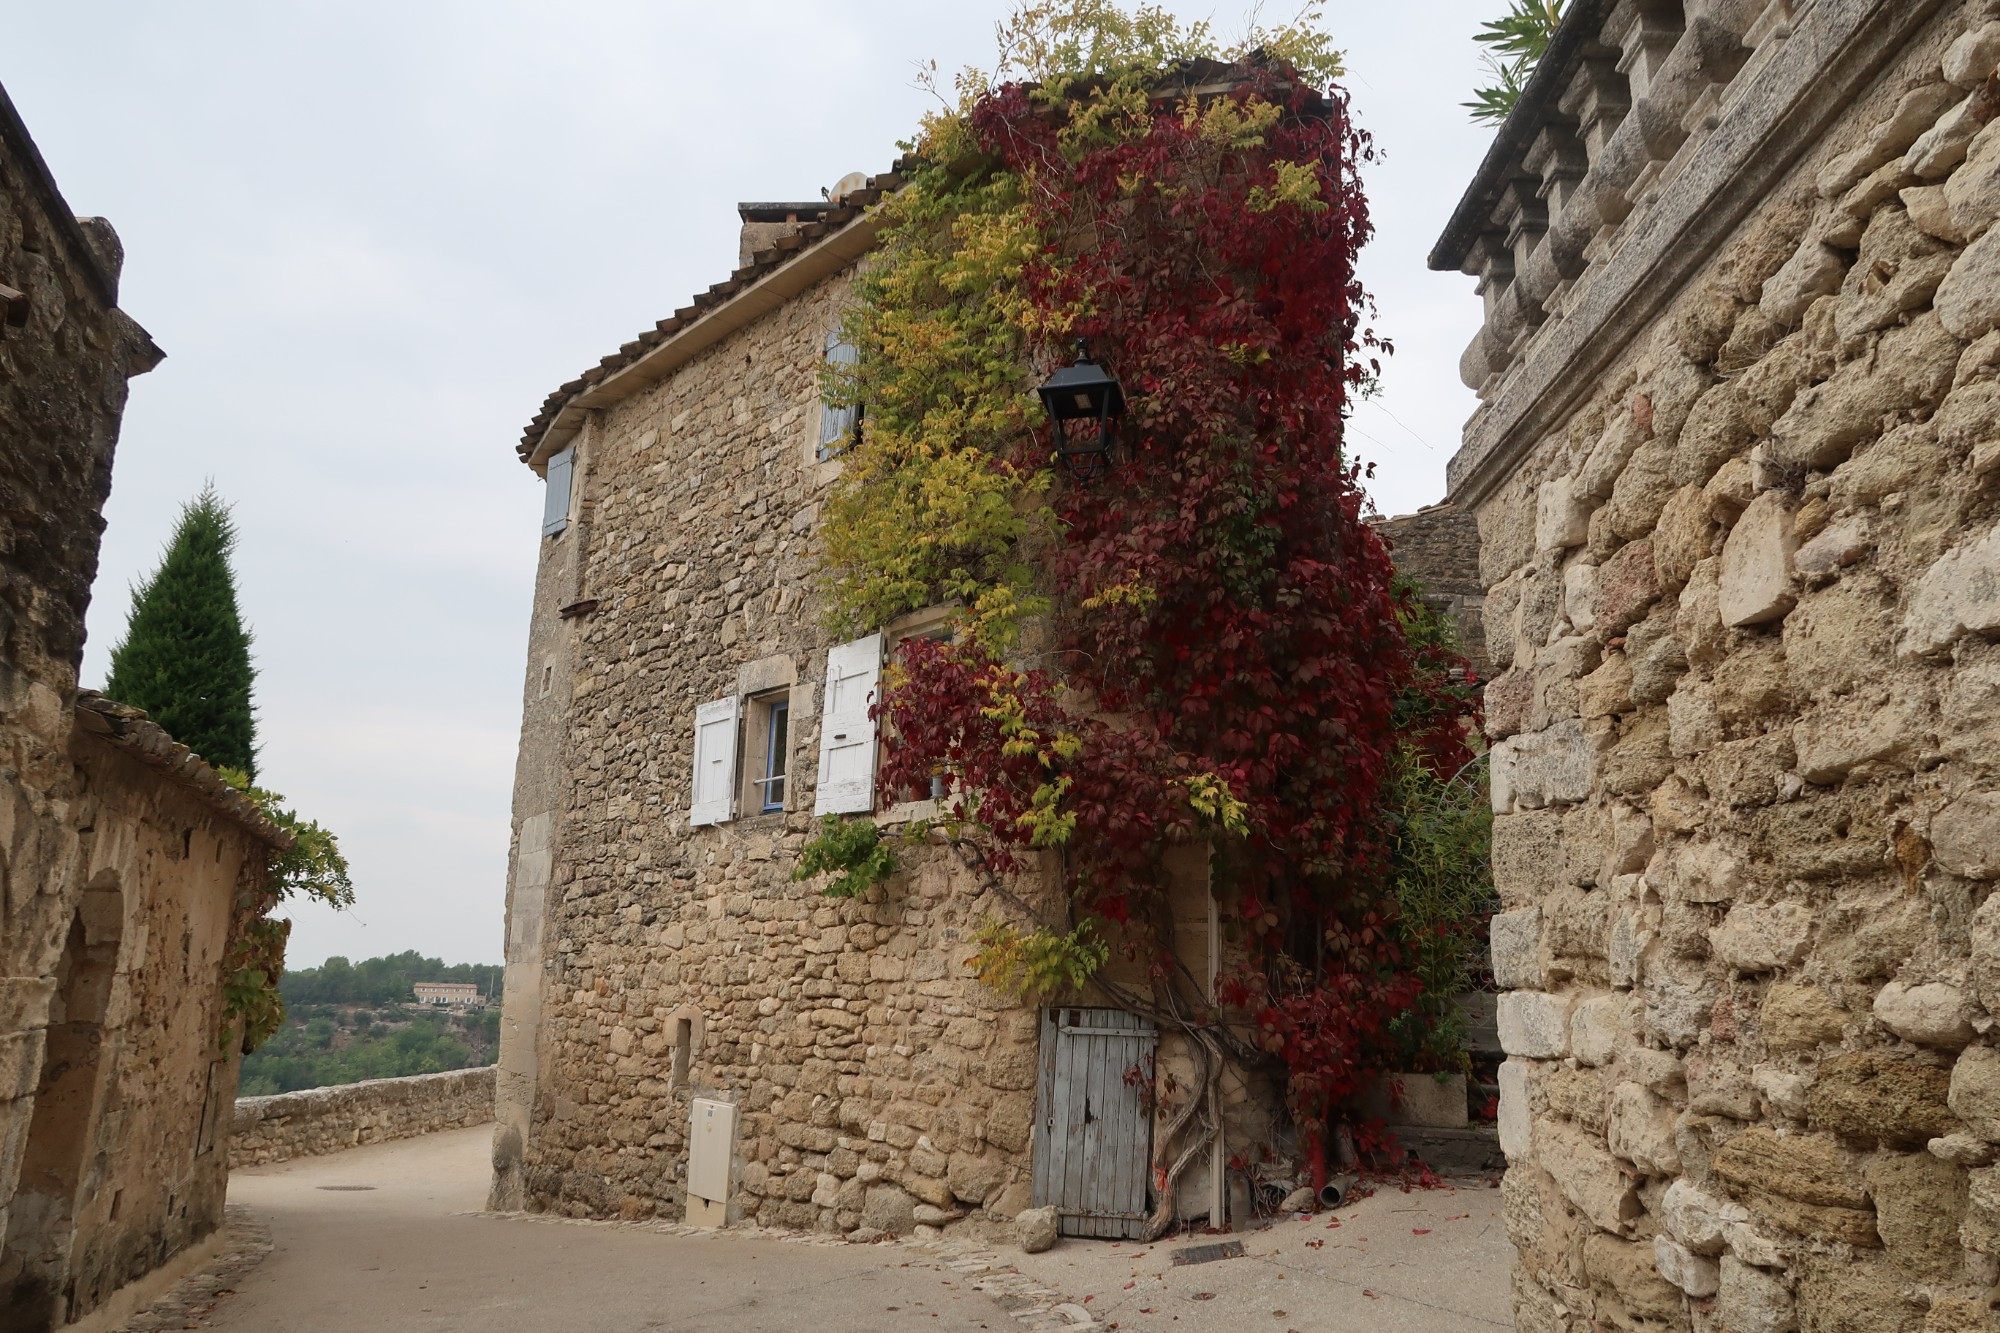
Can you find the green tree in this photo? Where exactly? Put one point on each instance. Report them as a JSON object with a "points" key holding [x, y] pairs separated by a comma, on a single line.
{"points": [[185, 657], [1514, 45]]}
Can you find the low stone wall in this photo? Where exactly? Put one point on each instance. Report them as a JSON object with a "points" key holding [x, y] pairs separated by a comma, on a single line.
{"points": [[324, 1120]]}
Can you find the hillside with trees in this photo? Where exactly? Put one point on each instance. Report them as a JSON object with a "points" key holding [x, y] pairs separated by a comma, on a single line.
{"points": [[347, 1021]]}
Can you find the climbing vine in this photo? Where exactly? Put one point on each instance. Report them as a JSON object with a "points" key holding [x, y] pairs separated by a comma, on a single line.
{"points": [[1203, 644], [314, 866]]}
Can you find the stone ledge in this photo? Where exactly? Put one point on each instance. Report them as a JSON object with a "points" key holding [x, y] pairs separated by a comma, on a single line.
{"points": [[313, 1121]]}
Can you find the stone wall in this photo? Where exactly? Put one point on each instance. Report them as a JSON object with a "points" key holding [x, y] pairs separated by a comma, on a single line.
{"points": [[1746, 767], [120, 852], [1438, 546], [313, 1121]]}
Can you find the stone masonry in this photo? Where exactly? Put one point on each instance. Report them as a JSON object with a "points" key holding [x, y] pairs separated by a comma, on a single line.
{"points": [[312, 1121], [1737, 478], [120, 852]]}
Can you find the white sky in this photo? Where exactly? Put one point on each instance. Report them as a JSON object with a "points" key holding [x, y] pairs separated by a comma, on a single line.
{"points": [[372, 236]]}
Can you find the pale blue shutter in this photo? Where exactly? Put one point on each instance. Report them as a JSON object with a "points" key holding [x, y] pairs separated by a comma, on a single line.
{"points": [[555, 503], [836, 424]]}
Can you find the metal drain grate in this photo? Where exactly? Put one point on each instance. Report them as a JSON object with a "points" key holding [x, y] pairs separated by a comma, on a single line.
{"points": [[347, 1187], [1208, 1254]]}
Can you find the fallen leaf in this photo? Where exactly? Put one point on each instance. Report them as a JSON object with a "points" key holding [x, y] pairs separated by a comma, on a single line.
{"points": [[1277, 1314], [1130, 1285], [1458, 1217], [1369, 1294], [1204, 1295], [1315, 1244], [1414, 1231]]}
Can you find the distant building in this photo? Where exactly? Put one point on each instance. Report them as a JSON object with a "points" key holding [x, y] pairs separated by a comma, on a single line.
{"points": [[449, 992]]}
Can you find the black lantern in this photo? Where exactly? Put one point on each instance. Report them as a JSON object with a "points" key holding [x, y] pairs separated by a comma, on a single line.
{"points": [[1083, 402]]}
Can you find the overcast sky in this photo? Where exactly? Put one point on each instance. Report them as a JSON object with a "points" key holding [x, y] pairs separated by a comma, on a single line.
{"points": [[372, 236]]}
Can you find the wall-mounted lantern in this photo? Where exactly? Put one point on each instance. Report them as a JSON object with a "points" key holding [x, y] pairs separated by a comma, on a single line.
{"points": [[1084, 402]]}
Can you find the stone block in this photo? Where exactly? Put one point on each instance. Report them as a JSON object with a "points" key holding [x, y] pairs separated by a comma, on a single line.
{"points": [[1944, 145], [1929, 207], [1972, 57], [1912, 369], [1606, 691], [1757, 564], [889, 1210], [1932, 1013], [975, 1178], [1588, 1176], [1762, 937], [1861, 1293], [1919, 1205], [1035, 1229], [1516, 1126], [1508, 701], [1855, 730], [1704, 872], [1748, 772], [1557, 766], [1599, 1026], [1974, 1091], [1627, 586], [1517, 942], [1751, 1300], [1814, 270], [1968, 300], [1804, 1183], [1694, 1274], [1527, 857], [1562, 517], [1535, 1024], [1580, 595], [1965, 835], [1890, 1096], [1681, 540], [1626, 1286], [1640, 492], [1697, 1218], [1914, 113], [1640, 1129], [1576, 925]]}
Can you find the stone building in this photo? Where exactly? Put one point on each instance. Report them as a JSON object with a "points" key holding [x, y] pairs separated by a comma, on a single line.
{"points": [[686, 721], [1438, 547], [1736, 470], [121, 854]]}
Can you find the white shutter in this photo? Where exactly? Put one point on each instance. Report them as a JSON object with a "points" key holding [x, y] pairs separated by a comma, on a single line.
{"points": [[846, 732], [555, 501], [714, 797]]}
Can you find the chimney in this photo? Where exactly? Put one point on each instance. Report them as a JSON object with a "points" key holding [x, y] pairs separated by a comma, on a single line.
{"points": [[765, 224]]}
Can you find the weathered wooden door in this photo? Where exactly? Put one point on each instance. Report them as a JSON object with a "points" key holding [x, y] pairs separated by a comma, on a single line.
{"points": [[1093, 1133]]}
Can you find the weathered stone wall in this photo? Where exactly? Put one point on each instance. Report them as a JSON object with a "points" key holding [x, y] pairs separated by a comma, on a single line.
{"points": [[120, 853], [1746, 770], [1438, 546], [313, 1121]]}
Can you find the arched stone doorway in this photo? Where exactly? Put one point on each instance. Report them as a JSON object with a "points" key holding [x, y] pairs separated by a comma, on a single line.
{"points": [[41, 1223]]}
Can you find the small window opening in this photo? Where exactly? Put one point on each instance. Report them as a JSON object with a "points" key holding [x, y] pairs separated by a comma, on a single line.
{"points": [[548, 678], [839, 427], [776, 747], [683, 1050]]}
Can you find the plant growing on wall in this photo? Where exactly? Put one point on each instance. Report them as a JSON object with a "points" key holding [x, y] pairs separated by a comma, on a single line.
{"points": [[1203, 644]]}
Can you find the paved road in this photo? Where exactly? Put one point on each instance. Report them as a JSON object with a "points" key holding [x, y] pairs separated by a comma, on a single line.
{"points": [[388, 1239], [403, 1256]]}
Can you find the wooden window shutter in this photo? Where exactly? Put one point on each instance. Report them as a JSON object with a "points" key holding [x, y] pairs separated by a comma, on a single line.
{"points": [[836, 424], [555, 503], [846, 732], [713, 799]]}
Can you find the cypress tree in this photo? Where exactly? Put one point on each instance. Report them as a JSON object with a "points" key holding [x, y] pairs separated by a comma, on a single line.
{"points": [[185, 657]]}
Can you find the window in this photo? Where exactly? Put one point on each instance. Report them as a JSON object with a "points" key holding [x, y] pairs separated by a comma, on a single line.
{"points": [[777, 729], [838, 426], [555, 502], [846, 731]]}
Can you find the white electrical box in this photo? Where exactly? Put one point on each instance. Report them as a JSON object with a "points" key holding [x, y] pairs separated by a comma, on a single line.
{"points": [[711, 1145]]}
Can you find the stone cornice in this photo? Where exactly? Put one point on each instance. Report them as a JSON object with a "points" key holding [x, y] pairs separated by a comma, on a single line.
{"points": [[1779, 110]]}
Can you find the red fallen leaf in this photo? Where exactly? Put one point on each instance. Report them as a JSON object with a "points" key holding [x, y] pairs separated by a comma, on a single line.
{"points": [[1130, 1285], [1414, 1231], [1088, 1299], [1145, 1309], [1334, 1223], [1369, 1294], [1204, 1295], [1458, 1217]]}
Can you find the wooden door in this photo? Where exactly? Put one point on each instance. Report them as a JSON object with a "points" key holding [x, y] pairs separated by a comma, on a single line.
{"points": [[1093, 1133]]}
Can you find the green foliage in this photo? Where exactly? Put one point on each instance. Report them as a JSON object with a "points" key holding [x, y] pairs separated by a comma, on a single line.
{"points": [[314, 867], [1443, 887], [1514, 44], [854, 849], [1038, 963], [387, 980], [185, 657], [319, 1049]]}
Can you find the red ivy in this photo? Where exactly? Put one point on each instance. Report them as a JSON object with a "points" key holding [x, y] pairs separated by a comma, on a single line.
{"points": [[1264, 645]]}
